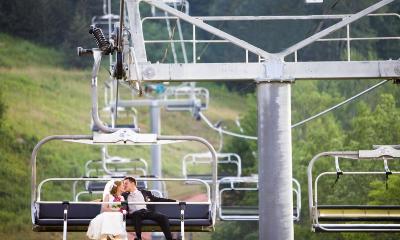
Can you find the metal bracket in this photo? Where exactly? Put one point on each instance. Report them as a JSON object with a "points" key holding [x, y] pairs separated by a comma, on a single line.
{"points": [[182, 206], [382, 151], [65, 219], [338, 170], [274, 72], [387, 172], [125, 136]]}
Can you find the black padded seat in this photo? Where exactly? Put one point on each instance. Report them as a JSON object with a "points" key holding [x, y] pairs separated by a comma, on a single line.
{"points": [[359, 207], [350, 228], [358, 213], [198, 211], [50, 217]]}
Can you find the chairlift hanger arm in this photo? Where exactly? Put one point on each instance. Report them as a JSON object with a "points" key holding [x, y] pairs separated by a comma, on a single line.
{"points": [[97, 54]]}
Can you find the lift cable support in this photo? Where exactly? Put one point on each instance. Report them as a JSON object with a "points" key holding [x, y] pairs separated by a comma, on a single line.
{"points": [[75, 216], [353, 218], [176, 103], [112, 108], [274, 77], [174, 100], [240, 186], [191, 103], [193, 99]]}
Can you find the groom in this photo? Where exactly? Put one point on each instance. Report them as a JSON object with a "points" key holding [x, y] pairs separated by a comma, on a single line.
{"points": [[141, 212]]}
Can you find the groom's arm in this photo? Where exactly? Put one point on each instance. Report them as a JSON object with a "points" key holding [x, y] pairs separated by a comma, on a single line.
{"points": [[157, 199]]}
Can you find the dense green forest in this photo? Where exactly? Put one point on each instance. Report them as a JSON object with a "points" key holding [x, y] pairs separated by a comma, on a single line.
{"points": [[55, 28], [371, 120]]}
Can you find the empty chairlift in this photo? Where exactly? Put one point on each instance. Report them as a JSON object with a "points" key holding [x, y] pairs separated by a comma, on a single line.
{"points": [[186, 95], [109, 167], [63, 216], [198, 165], [239, 199], [346, 217], [116, 165], [107, 20]]}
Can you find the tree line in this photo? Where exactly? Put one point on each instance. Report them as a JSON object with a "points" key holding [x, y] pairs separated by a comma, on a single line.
{"points": [[64, 25]]}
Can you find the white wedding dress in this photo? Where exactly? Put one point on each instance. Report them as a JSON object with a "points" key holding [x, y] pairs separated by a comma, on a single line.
{"points": [[107, 223]]}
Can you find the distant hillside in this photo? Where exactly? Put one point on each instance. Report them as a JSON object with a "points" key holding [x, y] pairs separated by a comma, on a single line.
{"points": [[42, 99]]}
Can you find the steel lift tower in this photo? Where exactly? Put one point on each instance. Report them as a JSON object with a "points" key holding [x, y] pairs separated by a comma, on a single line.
{"points": [[274, 77]]}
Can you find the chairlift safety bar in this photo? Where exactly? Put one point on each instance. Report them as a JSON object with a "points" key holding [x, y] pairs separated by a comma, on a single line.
{"points": [[208, 189]]}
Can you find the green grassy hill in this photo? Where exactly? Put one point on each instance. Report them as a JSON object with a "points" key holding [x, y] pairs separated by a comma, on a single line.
{"points": [[42, 98]]}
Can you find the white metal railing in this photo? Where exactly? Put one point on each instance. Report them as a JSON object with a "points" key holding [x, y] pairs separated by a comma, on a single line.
{"points": [[205, 159], [252, 186], [348, 39], [39, 188]]}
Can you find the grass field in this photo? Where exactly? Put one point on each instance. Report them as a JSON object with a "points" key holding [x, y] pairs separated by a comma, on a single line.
{"points": [[43, 98]]}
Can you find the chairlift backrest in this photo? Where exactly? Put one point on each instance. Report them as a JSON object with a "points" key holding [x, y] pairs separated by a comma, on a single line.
{"points": [[116, 166], [199, 95], [235, 212], [48, 215], [192, 159]]}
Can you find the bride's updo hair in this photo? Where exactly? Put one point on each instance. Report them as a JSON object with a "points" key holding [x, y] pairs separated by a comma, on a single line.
{"points": [[117, 183]]}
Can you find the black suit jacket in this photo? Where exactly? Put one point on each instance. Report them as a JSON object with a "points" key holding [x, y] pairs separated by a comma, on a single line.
{"points": [[148, 197]]}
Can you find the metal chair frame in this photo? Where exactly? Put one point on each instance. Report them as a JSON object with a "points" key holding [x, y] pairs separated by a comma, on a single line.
{"points": [[205, 158], [253, 180], [119, 137], [379, 223]]}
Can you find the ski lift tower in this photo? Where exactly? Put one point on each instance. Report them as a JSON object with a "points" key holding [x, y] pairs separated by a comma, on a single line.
{"points": [[274, 77]]}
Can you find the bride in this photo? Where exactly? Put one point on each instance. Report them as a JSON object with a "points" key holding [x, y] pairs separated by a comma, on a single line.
{"points": [[109, 223]]}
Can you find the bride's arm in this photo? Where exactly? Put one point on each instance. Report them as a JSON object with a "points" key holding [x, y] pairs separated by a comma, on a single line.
{"points": [[105, 207]]}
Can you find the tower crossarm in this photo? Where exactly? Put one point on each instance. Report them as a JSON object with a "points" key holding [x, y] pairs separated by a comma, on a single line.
{"points": [[326, 70]]}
